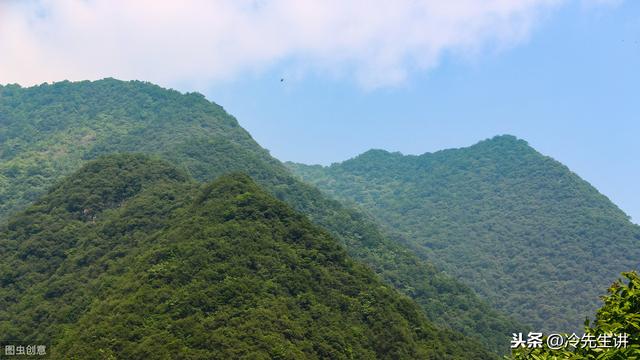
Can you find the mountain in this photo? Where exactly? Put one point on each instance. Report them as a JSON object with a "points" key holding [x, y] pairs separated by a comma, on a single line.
{"points": [[519, 227], [47, 132], [129, 258]]}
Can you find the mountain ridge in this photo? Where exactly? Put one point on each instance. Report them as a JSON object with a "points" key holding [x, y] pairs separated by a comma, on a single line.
{"points": [[49, 131], [490, 205], [172, 268]]}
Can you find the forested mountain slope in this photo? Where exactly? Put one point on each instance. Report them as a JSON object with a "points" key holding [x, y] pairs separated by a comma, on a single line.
{"points": [[517, 226], [128, 258], [49, 131]]}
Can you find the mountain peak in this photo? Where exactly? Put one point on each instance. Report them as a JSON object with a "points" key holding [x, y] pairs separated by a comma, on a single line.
{"points": [[50, 131], [110, 180], [500, 215], [238, 262], [372, 155], [504, 141]]}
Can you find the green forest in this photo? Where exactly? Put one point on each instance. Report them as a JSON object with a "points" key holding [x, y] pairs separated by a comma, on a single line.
{"points": [[130, 258], [618, 315], [138, 222], [47, 132], [520, 228]]}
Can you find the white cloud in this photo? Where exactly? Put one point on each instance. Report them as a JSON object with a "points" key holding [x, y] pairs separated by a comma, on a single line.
{"points": [[196, 42]]}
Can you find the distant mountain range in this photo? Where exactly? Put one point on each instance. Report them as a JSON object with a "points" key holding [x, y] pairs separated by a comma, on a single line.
{"points": [[100, 253], [518, 227]]}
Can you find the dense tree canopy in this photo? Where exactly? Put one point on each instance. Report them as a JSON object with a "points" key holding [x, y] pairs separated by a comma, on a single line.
{"points": [[49, 131], [614, 335], [517, 226], [129, 258]]}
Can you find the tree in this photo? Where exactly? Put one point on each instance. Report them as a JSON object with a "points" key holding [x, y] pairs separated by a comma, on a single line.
{"points": [[618, 319]]}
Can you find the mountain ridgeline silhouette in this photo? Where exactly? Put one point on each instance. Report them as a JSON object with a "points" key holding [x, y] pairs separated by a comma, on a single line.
{"points": [[520, 228], [49, 132]]}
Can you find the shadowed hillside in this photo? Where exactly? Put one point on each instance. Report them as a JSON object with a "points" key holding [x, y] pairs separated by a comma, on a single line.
{"points": [[129, 259]]}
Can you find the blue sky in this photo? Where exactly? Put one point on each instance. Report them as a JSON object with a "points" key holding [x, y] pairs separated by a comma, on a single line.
{"points": [[572, 90], [412, 76]]}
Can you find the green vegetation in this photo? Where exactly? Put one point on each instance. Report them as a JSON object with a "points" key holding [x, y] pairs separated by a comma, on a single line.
{"points": [[128, 258], [520, 228], [47, 132], [620, 314]]}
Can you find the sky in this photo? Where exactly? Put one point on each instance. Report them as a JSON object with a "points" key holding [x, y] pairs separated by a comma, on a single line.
{"points": [[322, 81]]}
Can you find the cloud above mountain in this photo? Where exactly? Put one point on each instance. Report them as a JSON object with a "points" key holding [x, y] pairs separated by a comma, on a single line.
{"points": [[197, 42]]}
